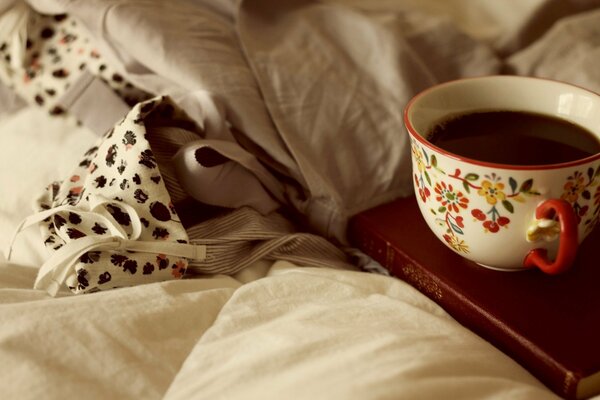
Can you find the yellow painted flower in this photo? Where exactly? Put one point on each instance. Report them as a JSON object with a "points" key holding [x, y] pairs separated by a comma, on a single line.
{"points": [[418, 158], [492, 191], [456, 243]]}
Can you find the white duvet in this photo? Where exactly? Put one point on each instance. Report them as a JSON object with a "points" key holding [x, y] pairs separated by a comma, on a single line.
{"points": [[275, 330]]}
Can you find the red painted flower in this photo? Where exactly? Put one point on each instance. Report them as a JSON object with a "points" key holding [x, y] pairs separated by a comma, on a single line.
{"points": [[477, 213], [424, 193], [502, 221], [491, 226], [449, 198]]}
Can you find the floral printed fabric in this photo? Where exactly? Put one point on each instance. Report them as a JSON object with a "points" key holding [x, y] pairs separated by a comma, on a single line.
{"points": [[123, 170], [56, 52]]}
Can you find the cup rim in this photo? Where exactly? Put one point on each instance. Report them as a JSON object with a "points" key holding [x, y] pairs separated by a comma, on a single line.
{"points": [[413, 132]]}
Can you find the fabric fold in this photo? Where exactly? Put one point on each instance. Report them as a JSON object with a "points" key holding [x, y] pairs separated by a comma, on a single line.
{"points": [[335, 81]]}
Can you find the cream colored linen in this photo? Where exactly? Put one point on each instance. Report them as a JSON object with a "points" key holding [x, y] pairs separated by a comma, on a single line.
{"points": [[298, 333], [569, 51], [120, 344], [307, 333], [36, 150]]}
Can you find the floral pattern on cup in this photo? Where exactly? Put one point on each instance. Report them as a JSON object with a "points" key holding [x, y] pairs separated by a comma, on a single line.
{"points": [[450, 203], [492, 188], [578, 190]]}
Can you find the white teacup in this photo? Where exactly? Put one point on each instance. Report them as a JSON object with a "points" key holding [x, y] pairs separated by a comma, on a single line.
{"points": [[506, 217]]}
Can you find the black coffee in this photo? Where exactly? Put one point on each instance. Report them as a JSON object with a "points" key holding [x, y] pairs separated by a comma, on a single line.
{"points": [[511, 137]]}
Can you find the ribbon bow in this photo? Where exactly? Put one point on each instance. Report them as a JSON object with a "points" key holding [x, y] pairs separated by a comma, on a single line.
{"points": [[57, 268]]}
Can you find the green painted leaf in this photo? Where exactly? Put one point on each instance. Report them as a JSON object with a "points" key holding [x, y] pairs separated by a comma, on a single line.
{"points": [[456, 228], [466, 186], [434, 160], [442, 209], [590, 173], [471, 177], [526, 186], [427, 177], [512, 183], [508, 205]]}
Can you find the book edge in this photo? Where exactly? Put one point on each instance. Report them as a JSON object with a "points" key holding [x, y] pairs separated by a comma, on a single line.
{"points": [[434, 288]]}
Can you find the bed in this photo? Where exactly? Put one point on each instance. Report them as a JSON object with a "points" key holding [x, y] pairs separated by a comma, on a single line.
{"points": [[316, 90]]}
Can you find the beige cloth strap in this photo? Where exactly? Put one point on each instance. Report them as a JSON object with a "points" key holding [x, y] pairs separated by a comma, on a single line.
{"points": [[94, 103]]}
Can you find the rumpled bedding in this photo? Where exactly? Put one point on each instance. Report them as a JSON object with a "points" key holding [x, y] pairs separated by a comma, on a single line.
{"points": [[316, 91]]}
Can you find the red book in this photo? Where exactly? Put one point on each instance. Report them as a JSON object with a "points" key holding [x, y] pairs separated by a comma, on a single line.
{"points": [[549, 324]]}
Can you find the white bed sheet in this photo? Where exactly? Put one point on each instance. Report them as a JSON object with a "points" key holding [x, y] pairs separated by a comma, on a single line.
{"points": [[36, 150], [307, 333], [298, 333]]}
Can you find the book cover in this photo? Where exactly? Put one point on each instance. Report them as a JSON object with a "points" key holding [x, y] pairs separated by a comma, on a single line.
{"points": [[549, 324]]}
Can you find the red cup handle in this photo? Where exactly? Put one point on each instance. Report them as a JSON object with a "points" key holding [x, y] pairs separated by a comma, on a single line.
{"points": [[567, 248]]}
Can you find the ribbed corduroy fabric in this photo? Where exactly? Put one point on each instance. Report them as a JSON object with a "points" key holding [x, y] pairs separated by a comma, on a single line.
{"points": [[238, 237]]}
